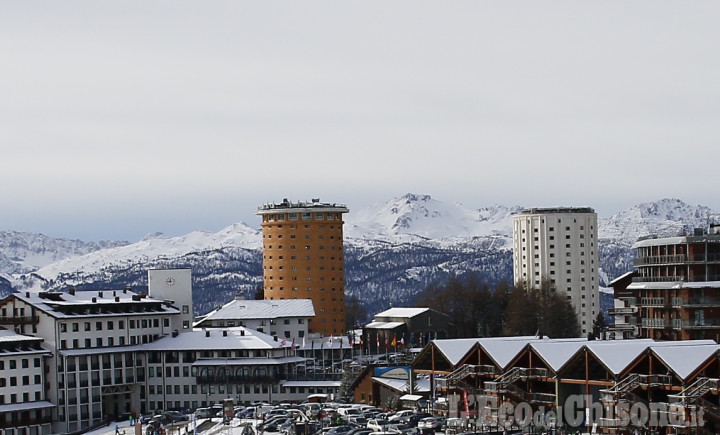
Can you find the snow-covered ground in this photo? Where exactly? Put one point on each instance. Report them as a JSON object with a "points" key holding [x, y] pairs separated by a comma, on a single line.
{"points": [[214, 427]]}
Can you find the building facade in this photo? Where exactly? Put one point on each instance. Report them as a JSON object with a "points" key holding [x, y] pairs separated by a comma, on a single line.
{"points": [[303, 258], [408, 327], [79, 358], [24, 408], [676, 290], [284, 318], [559, 245]]}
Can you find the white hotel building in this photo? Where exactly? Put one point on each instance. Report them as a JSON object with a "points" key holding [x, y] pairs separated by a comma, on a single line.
{"points": [[104, 354], [560, 245], [24, 407]]}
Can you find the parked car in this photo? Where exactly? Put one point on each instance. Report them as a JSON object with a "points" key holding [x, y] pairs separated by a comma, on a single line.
{"points": [[176, 416], [413, 419], [377, 425], [360, 431], [400, 414], [145, 418], [163, 419], [454, 425], [430, 424], [337, 430], [399, 428], [204, 413]]}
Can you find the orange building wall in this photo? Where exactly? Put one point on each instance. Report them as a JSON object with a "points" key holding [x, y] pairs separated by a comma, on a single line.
{"points": [[304, 259]]}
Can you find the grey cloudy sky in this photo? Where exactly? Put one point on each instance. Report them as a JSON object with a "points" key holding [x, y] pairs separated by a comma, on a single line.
{"points": [[120, 118]]}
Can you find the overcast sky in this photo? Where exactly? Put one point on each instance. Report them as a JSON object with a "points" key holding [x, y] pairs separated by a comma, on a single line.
{"points": [[121, 118]]}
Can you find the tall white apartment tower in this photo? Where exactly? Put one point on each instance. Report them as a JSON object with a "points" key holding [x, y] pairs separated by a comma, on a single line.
{"points": [[560, 245]]}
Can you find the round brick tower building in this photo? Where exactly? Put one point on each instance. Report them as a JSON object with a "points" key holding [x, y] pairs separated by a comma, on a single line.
{"points": [[303, 258]]}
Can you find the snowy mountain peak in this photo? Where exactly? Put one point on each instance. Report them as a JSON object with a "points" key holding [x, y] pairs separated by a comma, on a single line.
{"points": [[155, 235], [665, 218], [424, 217]]}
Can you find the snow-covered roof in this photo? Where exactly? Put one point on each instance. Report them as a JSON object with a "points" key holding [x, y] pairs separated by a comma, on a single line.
{"points": [[7, 336], [53, 303], [503, 350], [213, 362], [686, 360], [422, 385], [655, 285], [621, 277], [242, 309], [323, 384], [402, 312], [383, 325], [673, 285], [237, 338], [701, 284], [557, 353], [616, 355], [215, 339], [25, 406], [500, 349], [455, 349], [660, 241]]}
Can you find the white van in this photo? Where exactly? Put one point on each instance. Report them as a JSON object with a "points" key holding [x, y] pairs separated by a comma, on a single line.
{"points": [[204, 413], [348, 411]]}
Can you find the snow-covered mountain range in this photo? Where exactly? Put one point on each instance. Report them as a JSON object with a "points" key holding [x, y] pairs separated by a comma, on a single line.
{"points": [[393, 251]]}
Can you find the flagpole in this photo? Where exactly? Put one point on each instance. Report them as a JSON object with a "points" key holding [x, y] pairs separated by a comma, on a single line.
{"points": [[386, 347]]}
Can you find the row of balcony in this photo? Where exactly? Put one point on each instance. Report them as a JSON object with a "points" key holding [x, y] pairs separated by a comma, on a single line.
{"points": [[95, 382], [676, 259], [619, 311], [266, 379], [674, 302], [677, 278], [680, 323], [22, 320]]}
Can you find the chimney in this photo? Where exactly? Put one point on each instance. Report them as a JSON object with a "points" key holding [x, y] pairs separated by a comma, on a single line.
{"points": [[27, 294], [207, 332], [94, 299], [242, 332], [100, 295], [117, 298], [71, 290], [225, 333], [127, 289], [114, 292], [275, 337], [175, 333]]}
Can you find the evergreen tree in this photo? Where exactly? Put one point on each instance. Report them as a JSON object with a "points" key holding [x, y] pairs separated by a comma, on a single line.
{"points": [[600, 325], [354, 312], [259, 293]]}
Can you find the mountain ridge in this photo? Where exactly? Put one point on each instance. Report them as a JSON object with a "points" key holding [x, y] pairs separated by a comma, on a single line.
{"points": [[393, 250]]}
